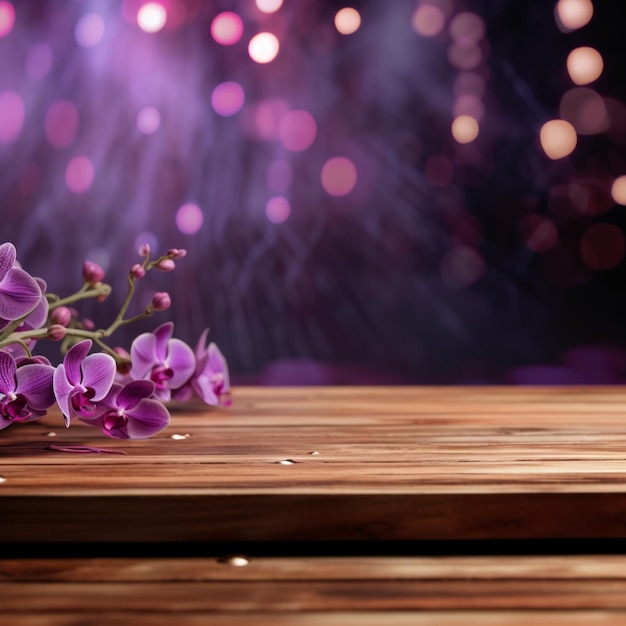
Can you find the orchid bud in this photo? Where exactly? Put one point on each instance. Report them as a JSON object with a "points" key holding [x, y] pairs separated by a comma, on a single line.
{"points": [[144, 250], [61, 315], [166, 265], [88, 324], [137, 271], [56, 332], [161, 300], [177, 253], [92, 273], [122, 362]]}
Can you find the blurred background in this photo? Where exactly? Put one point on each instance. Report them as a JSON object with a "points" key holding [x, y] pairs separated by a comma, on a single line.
{"points": [[408, 191]]}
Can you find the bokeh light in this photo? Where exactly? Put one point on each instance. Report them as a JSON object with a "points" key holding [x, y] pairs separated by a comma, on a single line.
{"points": [[428, 20], [462, 267], [297, 130], [148, 120], [618, 190], [584, 65], [151, 17], [263, 47], [558, 139], [339, 176], [227, 98], [266, 117], [269, 6], [602, 246], [573, 14], [538, 232], [585, 110], [189, 218], [7, 18], [227, 28], [470, 106], [467, 27], [79, 174], [469, 84], [465, 129], [347, 20], [465, 55], [12, 115], [277, 209], [89, 30], [61, 123]]}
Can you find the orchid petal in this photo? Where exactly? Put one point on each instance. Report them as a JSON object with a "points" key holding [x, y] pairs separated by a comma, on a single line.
{"points": [[218, 364], [142, 355], [163, 334], [37, 317], [8, 255], [203, 387], [201, 351], [146, 419], [181, 360], [73, 360], [34, 381], [19, 294], [62, 389], [99, 374], [133, 392], [8, 369]]}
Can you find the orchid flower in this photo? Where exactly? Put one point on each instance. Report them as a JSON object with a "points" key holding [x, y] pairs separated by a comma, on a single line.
{"points": [[167, 362], [82, 381], [25, 389], [131, 412], [19, 291], [211, 380]]}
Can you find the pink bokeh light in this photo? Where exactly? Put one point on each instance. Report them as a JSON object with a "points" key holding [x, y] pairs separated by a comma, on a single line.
{"points": [[227, 98], [189, 218], [148, 120], [61, 123], [277, 209], [79, 174], [339, 176], [7, 18], [297, 130], [89, 30], [12, 114], [227, 28]]}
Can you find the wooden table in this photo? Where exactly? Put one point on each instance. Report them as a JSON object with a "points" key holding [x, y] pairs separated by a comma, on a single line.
{"points": [[326, 505]]}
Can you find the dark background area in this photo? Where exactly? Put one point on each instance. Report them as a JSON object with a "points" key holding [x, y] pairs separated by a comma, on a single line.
{"points": [[422, 273]]}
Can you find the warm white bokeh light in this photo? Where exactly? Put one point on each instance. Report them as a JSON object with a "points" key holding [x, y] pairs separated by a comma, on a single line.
{"points": [[428, 20], [573, 14], [268, 6], [584, 65], [618, 190], [227, 28], [151, 17], [339, 176], [347, 20], [558, 138], [465, 129], [263, 47]]}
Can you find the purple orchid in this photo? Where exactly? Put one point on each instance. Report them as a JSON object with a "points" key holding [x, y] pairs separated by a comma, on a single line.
{"points": [[167, 362], [25, 389], [131, 412], [211, 380], [82, 381], [19, 292]]}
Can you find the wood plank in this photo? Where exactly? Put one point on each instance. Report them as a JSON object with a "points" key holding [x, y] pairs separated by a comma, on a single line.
{"points": [[385, 463]]}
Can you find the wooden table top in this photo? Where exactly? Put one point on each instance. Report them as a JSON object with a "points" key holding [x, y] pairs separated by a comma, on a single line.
{"points": [[332, 464]]}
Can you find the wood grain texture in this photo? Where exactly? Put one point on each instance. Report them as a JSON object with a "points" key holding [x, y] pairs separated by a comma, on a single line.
{"points": [[383, 463]]}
